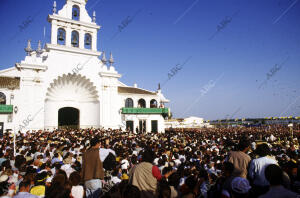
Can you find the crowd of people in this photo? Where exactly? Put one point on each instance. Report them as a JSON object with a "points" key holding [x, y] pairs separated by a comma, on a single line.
{"points": [[235, 162]]}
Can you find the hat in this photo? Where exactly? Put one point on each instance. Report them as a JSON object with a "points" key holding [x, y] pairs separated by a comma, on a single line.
{"points": [[3, 178], [68, 160], [240, 185]]}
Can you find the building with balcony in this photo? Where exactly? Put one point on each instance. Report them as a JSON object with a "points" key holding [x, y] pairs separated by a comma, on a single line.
{"points": [[69, 83]]}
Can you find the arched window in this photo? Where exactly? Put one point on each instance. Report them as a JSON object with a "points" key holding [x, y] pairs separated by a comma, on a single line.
{"points": [[75, 13], [153, 103], [128, 103], [87, 41], [2, 98], [142, 103], [61, 36], [75, 39]]}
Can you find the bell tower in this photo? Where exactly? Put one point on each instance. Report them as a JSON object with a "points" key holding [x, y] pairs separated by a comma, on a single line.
{"points": [[72, 27]]}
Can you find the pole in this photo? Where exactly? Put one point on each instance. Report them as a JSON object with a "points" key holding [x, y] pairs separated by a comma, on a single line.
{"points": [[15, 141]]}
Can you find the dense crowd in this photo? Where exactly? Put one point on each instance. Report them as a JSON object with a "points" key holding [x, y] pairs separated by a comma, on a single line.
{"points": [[217, 162]]}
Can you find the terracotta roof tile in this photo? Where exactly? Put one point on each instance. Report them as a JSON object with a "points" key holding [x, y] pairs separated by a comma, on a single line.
{"points": [[9, 82]]}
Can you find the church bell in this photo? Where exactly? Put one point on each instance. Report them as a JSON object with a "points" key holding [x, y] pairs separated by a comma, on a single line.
{"points": [[75, 14], [74, 40], [61, 36], [87, 40]]}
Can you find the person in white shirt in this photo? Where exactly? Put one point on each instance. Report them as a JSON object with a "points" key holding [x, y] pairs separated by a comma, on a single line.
{"points": [[258, 166], [77, 190], [177, 160], [125, 164], [155, 162], [115, 179]]}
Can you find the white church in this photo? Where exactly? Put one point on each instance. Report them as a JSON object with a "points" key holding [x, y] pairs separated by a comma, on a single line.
{"points": [[66, 84]]}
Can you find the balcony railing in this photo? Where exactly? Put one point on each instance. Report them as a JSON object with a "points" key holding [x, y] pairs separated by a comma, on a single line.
{"points": [[6, 108], [144, 110]]}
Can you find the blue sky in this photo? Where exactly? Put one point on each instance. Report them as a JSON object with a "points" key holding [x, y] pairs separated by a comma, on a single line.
{"points": [[250, 68]]}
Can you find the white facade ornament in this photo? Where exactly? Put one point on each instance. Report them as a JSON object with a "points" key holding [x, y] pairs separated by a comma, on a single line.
{"points": [[54, 7], [28, 49], [111, 59], [104, 58], [39, 50], [94, 16]]}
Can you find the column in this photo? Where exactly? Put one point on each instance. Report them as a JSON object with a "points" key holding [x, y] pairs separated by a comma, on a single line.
{"points": [[148, 125], [81, 39], [68, 36], [147, 102], [54, 33], [160, 125], [135, 124], [94, 41], [135, 102]]}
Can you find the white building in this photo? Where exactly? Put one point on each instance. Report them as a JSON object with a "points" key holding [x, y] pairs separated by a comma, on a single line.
{"points": [[190, 122], [193, 121], [66, 84]]}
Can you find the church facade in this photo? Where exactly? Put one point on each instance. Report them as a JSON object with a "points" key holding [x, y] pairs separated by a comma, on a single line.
{"points": [[67, 84]]}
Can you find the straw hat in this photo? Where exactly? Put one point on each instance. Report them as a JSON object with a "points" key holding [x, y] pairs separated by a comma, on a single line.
{"points": [[3, 178]]}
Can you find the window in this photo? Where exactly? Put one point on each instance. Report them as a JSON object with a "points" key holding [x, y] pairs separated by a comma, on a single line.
{"points": [[61, 36], [75, 13], [154, 125], [129, 125], [142, 103], [153, 104], [2, 98], [87, 41], [75, 39], [128, 103]]}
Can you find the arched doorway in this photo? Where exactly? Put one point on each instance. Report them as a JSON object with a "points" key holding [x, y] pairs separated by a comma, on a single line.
{"points": [[68, 117], [74, 91]]}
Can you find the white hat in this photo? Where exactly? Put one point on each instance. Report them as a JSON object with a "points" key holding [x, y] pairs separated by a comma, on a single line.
{"points": [[3, 178], [240, 185]]}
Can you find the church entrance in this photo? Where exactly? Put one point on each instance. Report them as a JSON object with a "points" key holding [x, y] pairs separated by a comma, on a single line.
{"points": [[72, 101], [68, 117]]}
